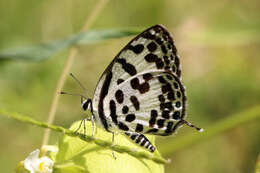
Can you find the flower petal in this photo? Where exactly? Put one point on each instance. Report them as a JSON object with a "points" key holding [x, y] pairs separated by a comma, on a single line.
{"points": [[31, 160]]}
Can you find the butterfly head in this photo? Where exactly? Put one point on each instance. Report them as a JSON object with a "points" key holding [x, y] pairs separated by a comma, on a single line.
{"points": [[86, 104]]}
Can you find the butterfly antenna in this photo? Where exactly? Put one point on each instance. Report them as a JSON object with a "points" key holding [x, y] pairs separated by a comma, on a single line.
{"points": [[193, 126], [73, 94], [74, 77]]}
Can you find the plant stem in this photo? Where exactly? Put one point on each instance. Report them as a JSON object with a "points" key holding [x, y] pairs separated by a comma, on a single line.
{"points": [[99, 142], [72, 54], [257, 167], [215, 129], [56, 97]]}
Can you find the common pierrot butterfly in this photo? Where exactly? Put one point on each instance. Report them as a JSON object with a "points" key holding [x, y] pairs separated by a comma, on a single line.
{"points": [[141, 91]]}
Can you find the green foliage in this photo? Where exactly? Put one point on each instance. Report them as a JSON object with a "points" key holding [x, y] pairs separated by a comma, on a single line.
{"points": [[97, 141], [69, 168], [99, 159], [44, 51]]}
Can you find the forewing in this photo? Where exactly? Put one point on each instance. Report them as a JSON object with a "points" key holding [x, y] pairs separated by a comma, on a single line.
{"points": [[153, 49]]}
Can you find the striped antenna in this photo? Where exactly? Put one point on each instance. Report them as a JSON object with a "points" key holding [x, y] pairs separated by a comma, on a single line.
{"points": [[75, 94]]}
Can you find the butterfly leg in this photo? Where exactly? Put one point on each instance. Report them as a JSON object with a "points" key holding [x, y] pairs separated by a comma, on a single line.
{"points": [[84, 127], [93, 125], [141, 140], [113, 140], [83, 121], [79, 126]]}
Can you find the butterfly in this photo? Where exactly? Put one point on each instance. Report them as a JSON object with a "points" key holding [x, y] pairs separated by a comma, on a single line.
{"points": [[141, 91]]}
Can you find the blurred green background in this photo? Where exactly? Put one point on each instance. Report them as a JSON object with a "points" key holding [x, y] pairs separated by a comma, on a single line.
{"points": [[218, 42]]}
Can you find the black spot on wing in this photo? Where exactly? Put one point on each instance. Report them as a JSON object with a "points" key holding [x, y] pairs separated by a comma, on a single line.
{"points": [[129, 68], [166, 60], [176, 115], [160, 123], [173, 68], [144, 87], [159, 63], [137, 48], [161, 98], [148, 35], [167, 88], [168, 105], [152, 46], [135, 102], [130, 117], [164, 50], [141, 87], [151, 57], [153, 117], [122, 126], [159, 40], [139, 128], [125, 109], [135, 83], [176, 85], [112, 107], [178, 93], [166, 114], [119, 96], [147, 76], [162, 80], [178, 104], [169, 127], [170, 95]]}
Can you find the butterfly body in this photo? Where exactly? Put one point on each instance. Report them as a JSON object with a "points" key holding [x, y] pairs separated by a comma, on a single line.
{"points": [[141, 91]]}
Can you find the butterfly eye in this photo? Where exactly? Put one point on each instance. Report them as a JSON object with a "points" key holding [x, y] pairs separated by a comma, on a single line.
{"points": [[86, 104]]}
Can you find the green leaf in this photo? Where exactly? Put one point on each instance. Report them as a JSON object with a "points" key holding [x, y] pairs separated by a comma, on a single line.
{"points": [[69, 168], [99, 159], [44, 51]]}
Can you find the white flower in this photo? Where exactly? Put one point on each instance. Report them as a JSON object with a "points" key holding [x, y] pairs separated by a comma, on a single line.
{"points": [[36, 164]]}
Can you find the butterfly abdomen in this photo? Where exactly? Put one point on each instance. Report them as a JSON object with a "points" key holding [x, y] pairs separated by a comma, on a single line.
{"points": [[141, 140]]}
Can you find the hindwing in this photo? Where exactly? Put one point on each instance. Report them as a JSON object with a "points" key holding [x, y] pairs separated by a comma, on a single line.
{"points": [[150, 102]]}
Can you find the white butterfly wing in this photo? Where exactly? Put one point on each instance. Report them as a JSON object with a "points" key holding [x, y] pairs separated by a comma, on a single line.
{"points": [[151, 53]]}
